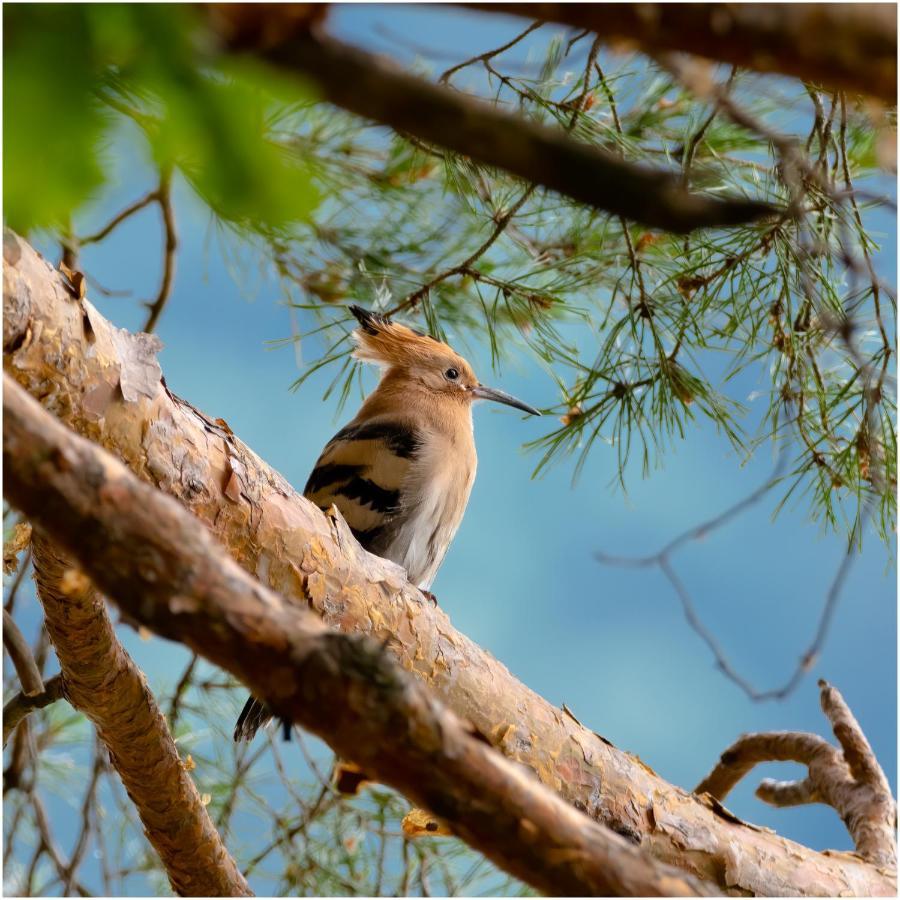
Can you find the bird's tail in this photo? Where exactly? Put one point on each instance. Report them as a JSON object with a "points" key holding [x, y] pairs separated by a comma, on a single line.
{"points": [[253, 716]]}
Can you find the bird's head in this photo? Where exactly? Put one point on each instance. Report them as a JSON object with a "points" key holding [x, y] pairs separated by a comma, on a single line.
{"points": [[411, 356]]}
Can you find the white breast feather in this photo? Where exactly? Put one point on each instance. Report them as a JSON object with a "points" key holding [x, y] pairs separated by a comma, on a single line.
{"points": [[436, 494]]}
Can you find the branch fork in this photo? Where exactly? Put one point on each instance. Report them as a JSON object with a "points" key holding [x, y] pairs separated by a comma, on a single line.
{"points": [[848, 778]]}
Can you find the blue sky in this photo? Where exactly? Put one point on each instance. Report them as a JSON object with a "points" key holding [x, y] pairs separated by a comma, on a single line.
{"points": [[520, 578]]}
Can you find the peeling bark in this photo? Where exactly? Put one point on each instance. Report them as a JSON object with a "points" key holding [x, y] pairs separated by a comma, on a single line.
{"points": [[69, 357], [101, 680], [146, 551]]}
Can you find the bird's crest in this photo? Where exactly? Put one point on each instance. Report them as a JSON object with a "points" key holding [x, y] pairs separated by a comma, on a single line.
{"points": [[385, 342]]}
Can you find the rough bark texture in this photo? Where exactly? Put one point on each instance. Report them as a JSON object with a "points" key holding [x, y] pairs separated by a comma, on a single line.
{"points": [[373, 88], [105, 384], [145, 549], [849, 46], [101, 680]]}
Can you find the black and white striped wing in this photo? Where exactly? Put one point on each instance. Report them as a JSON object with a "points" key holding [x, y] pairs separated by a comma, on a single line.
{"points": [[362, 471]]}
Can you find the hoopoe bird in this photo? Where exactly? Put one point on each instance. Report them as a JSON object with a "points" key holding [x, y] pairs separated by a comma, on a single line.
{"points": [[401, 472]]}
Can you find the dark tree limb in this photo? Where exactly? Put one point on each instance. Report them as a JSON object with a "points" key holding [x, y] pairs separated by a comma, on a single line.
{"points": [[850, 779], [101, 680], [110, 389], [145, 548], [368, 86], [849, 46]]}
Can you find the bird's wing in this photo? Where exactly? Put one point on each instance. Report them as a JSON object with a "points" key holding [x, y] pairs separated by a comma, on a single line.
{"points": [[362, 471]]}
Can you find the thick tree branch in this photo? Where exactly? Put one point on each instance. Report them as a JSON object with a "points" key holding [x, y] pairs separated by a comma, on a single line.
{"points": [[852, 782], [107, 386], [145, 548], [103, 682], [370, 87], [849, 46]]}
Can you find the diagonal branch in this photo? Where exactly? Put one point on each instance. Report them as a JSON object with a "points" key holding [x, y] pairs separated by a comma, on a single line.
{"points": [[145, 548], [367, 86], [117, 398]]}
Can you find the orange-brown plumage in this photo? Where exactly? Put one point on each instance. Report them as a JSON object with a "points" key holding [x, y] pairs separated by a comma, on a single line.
{"points": [[401, 471]]}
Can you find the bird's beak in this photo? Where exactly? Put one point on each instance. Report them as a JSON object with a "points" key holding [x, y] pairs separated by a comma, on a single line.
{"points": [[486, 393]]}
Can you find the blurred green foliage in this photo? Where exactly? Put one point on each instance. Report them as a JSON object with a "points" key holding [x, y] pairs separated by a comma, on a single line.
{"points": [[72, 71]]}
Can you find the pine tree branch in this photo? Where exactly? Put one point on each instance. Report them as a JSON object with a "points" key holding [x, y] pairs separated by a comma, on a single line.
{"points": [[113, 393], [368, 86], [850, 46]]}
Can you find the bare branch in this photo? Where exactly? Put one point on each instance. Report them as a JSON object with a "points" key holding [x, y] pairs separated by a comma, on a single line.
{"points": [[490, 54], [753, 749], [853, 782], [170, 245], [858, 754], [117, 220], [787, 793]]}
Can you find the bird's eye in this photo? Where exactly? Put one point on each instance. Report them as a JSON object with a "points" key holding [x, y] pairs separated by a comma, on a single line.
{"points": [[452, 374]]}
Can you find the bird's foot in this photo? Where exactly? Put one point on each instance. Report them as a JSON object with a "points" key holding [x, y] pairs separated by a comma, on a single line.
{"points": [[431, 597]]}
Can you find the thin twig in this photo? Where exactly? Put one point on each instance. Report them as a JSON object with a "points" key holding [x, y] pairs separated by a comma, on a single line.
{"points": [[127, 213], [164, 198], [662, 560], [484, 57]]}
